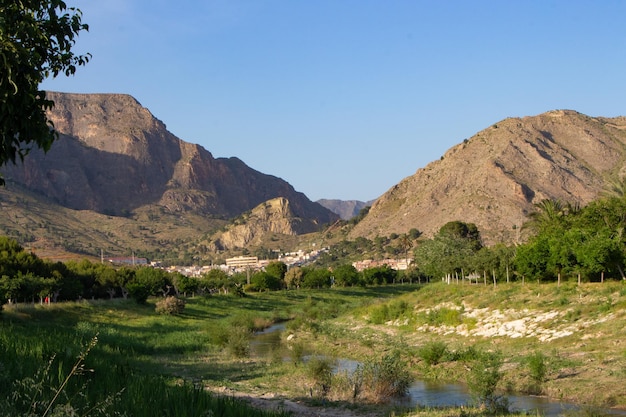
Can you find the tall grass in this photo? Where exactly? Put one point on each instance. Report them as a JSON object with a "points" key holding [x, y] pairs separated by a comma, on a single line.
{"points": [[139, 366], [119, 376]]}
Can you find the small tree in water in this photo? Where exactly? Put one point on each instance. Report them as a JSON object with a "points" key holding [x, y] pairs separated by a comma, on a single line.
{"points": [[483, 381]]}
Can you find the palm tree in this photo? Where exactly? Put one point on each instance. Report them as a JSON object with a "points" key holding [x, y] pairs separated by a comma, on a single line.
{"points": [[615, 188], [549, 212]]}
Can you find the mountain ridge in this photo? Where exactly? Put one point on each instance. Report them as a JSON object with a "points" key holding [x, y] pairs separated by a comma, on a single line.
{"points": [[495, 178], [114, 156]]}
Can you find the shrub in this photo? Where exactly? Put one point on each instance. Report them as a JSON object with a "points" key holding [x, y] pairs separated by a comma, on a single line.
{"points": [[432, 353], [296, 352], [538, 369], [483, 380], [468, 354], [393, 310], [242, 321], [379, 314], [238, 343], [385, 378], [398, 308], [444, 316], [219, 335], [537, 366], [320, 369], [170, 305]]}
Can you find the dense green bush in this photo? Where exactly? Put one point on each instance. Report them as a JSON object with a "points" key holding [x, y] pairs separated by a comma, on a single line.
{"points": [[392, 310], [443, 316], [537, 366], [538, 369], [238, 342], [432, 353]]}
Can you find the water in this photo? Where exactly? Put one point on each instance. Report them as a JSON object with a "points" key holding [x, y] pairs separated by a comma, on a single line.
{"points": [[266, 343], [438, 394]]}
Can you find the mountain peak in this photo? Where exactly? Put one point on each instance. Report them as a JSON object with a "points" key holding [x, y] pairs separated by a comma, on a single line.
{"points": [[113, 156]]}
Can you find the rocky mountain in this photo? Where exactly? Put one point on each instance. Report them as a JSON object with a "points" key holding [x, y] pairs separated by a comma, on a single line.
{"points": [[114, 157], [495, 178], [346, 209], [271, 217]]}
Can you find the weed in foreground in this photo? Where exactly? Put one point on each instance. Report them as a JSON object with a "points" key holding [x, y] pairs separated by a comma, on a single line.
{"points": [[39, 395]]}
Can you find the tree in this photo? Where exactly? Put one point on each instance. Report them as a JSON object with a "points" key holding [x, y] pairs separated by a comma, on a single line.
{"points": [[346, 275], [450, 251], [147, 281], [264, 281], [294, 277], [277, 269], [214, 279], [406, 244], [316, 278], [549, 214], [184, 284], [379, 275], [460, 230], [36, 41]]}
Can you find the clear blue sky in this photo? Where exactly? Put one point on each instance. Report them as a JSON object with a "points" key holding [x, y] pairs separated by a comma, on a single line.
{"points": [[344, 98]]}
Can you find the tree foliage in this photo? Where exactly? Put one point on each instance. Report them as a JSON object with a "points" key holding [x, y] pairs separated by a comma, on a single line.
{"points": [[451, 251], [587, 242], [346, 275], [36, 41], [264, 281], [277, 269]]}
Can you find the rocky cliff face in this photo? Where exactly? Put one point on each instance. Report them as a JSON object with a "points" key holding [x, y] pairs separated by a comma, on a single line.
{"points": [[114, 156], [273, 216], [494, 178]]}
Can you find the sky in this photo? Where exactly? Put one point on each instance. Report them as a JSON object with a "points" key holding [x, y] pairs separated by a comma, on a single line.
{"points": [[345, 98]]}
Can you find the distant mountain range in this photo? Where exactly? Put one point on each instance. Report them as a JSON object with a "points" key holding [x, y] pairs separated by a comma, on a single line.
{"points": [[346, 209], [117, 180]]}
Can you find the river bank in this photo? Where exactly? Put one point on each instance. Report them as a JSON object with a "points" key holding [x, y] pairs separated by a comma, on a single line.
{"points": [[577, 330]]}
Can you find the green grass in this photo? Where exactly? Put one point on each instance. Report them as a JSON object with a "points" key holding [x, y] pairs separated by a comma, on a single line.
{"points": [[139, 351], [142, 357]]}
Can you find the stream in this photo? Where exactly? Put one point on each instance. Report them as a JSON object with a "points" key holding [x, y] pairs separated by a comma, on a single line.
{"points": [[422, 392]]}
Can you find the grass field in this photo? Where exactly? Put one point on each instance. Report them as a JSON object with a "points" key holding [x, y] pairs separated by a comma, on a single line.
{"points": [[574, 334]]}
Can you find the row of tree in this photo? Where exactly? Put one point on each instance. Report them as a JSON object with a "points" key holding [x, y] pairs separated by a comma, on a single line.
{"points": [[24, 277], [586, 243]]}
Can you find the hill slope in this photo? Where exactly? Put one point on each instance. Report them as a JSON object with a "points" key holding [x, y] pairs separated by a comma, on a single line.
{"points": [[494, 178]]}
